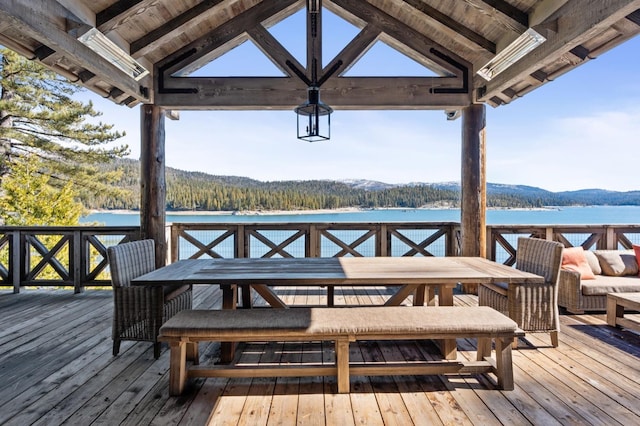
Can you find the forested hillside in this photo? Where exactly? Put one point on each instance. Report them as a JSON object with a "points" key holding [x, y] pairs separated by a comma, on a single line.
{"points": [[201, 191]]}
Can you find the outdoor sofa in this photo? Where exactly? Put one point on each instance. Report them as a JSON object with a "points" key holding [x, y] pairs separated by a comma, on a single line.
{"points": [[584, 288]]}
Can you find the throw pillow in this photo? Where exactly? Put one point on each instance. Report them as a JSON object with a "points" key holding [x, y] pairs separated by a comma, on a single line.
{"points": [[630, 262], [574, 259], [636, 250], [611, 262], [593, 262]]}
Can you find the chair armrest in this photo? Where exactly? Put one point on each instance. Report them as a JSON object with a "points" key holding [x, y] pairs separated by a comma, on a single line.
{"points": [[569, 289]]}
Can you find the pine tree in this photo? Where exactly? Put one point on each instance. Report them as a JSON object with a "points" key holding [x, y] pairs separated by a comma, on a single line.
{"points": [[39, 117], [28, 199]]}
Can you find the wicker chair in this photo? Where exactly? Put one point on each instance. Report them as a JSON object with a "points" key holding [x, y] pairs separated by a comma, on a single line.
{"points": [[533, 306], [138, 312]]}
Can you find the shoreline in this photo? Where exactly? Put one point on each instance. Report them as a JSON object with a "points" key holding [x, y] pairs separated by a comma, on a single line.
{"points": [[303, 212]]}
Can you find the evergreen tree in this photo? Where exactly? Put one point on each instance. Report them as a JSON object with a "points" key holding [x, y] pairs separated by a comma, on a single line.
{"points": [[39, 117], [30, 200]]}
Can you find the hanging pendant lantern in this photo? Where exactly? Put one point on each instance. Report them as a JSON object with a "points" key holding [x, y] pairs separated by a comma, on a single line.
{"points": [[314, 118]]}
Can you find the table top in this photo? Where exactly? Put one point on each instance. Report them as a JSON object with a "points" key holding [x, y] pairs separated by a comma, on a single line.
{"points": [[353, 271], [633, 298]]}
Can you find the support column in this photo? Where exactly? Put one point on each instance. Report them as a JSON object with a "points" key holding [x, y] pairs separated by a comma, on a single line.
{"points": [[153, 189], [474, 182]]}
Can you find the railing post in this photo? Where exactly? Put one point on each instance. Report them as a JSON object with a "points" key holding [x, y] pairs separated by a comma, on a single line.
{"points": [[610, 238], [384, 240], [242, 242], [312, 241], [173, 248], [491, 247], [16, 260], [78, 261]]}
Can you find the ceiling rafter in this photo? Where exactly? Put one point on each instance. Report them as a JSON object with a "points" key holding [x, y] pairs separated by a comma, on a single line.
{"points": [[583, 20], [272, 48], [407, 36], [149, 41], [510, 17], [197, 53], [518, 17], [114, 15], [41, 20], [457, 30], [353, 51]]}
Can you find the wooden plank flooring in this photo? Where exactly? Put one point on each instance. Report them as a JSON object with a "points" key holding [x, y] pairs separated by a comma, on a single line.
{"points": [[56, 368]]}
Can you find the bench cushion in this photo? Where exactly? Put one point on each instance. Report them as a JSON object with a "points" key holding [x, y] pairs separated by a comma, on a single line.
{"points": [[356, 321], [604, 284]]}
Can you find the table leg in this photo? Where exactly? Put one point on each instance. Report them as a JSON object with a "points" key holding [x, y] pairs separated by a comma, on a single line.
{"points": [[445, 295], [229, 301], [246, 296], [419, 296], [447, 346], [401, 294]]}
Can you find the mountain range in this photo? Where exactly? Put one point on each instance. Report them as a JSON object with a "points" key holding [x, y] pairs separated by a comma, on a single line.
{"points": [[188, 190]]}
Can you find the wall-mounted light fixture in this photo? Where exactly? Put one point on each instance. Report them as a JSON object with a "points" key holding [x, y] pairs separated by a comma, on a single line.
{"points": [[524, 44], [104, 47]]}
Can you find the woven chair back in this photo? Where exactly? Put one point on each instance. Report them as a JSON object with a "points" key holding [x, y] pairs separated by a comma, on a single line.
{"points": [[540, 257], [130, 260]]}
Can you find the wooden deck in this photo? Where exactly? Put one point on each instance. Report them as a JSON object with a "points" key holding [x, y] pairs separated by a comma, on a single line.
{"points": [[56, 368]]}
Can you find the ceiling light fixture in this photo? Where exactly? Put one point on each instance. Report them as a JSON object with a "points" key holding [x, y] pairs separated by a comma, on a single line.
{"points": [[110, 51], [314, 116], [524, 44]]}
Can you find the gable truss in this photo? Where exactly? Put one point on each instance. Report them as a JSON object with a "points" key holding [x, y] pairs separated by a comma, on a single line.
{"points": [[176, 90]]}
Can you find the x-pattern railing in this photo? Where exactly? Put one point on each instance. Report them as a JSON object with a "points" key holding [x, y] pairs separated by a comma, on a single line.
{"points": [[76, 256]]}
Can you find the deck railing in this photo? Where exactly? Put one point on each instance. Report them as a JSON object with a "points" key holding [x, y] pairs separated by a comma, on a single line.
{"points": [[76, 256], [73, 256]]}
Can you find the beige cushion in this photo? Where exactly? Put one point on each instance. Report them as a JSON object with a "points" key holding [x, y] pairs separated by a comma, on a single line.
{"points": [[381, 322], [617, 263], [630, 262], [604, 284], [593, 262]]}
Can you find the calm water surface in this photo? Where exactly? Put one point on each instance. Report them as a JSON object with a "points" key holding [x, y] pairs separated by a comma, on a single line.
{"points": [[563, 215]]}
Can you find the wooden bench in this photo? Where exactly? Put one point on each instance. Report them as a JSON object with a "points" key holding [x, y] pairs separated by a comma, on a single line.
{"points": [[341, 325]]}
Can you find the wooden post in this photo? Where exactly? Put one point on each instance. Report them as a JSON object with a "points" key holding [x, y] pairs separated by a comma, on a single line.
{"points": [[474, 194], [153, 190]]}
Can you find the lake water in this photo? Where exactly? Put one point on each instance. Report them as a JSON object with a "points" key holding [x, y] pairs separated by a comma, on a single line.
{"points": [[627, 215]]}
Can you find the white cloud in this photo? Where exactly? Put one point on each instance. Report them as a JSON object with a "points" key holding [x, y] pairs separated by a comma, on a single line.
{"points": [[598, 150]]}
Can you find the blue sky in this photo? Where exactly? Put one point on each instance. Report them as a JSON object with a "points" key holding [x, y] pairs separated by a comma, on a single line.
{"points": [[579, 131]]}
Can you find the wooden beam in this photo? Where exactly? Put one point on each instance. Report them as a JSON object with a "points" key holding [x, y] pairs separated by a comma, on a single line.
{"points": [[272, 48], [196, 53], [455, 29], [119, 12], [282, 93], [193, 16], [80, 10], [473, 182], [580, 21], [43, 20], [511, 16], [153, 188], [543, 9], [404, 34], [353, 51]]}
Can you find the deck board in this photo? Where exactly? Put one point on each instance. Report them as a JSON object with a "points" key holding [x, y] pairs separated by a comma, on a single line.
{"points": [[56, 368]]}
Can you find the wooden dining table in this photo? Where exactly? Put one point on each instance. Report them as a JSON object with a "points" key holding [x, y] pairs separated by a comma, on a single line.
{"points": [[417, 276]]}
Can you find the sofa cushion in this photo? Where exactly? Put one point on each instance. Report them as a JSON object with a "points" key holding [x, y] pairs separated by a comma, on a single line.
{"points": [[603, 284], [636, 250], [630, 262], [593, 262], [574, 259], [617, 263]]}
